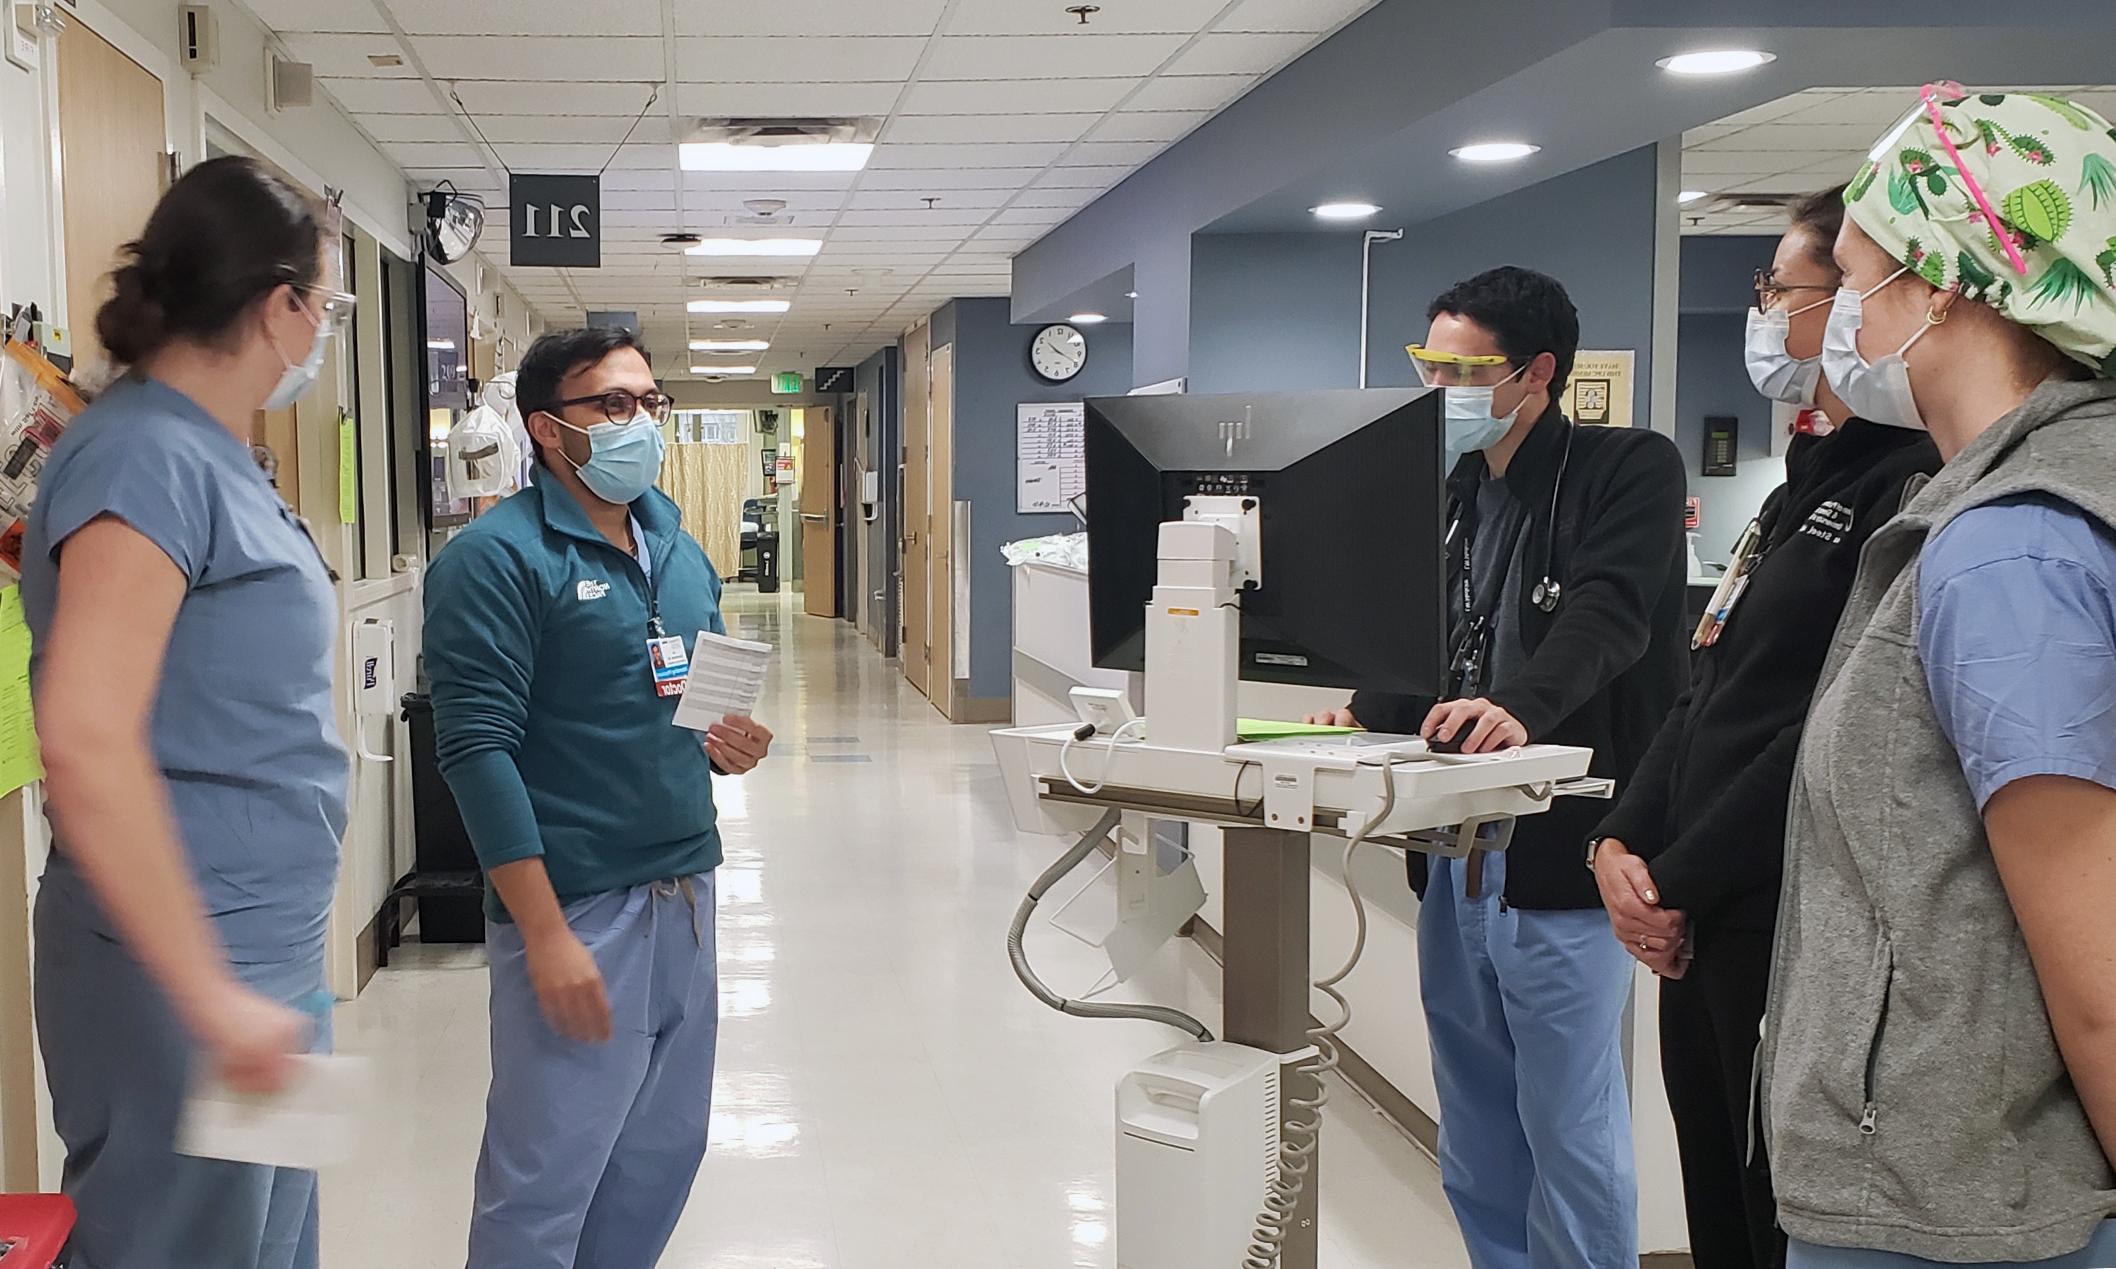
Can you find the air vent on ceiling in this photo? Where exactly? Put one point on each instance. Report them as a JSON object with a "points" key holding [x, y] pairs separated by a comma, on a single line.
{"points": [[743, 283], [767, 212], [1757, 202], [763, 131], [288, 84]]}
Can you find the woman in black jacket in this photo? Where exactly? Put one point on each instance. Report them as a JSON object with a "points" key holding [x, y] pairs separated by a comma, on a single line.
{"points": [[1688, 862]]}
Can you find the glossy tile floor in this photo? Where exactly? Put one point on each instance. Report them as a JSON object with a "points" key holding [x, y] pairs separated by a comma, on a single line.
{"points": [[888, 1096]]}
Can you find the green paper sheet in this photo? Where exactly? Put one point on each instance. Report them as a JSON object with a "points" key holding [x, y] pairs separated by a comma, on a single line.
{"points": [[1251, 730], [20, 763]]}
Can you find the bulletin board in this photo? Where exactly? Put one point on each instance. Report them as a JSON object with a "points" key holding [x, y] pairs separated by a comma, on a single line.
{"points": [[1050, 456], [1601, 388]]}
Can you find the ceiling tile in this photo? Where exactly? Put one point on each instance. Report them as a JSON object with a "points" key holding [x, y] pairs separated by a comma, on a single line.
{"points": [[1148, 125], [963, 157], [906, 201], [1082, 177], [1048, 56], [538, 100], [1112, 153], [398, 128], [433, 154], [789, 100], [345, 56], [1714, 162], [963, 217], [542, 58], [1314, 17], [1252, 54], [637, 199], [929, 181], [809, 17], [287, 16], [1790, 137], [380, 96], [1071, 199], [898, 233], [794, 60], [1190, 92], [1009, 96], [525, 17], [989, 127], [1032, 216], [1046, 17]]}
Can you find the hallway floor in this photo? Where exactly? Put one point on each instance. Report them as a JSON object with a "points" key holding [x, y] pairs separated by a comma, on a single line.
{"points": [[888, 1096]]}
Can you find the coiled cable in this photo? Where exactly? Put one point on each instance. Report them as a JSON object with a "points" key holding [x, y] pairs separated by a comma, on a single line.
{"points": [[1302, 1131]]}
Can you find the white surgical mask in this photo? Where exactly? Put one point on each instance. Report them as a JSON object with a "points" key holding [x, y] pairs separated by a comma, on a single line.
{"points": [[297, 380], [1470, 423], [1777, 373], [1877, 391]]}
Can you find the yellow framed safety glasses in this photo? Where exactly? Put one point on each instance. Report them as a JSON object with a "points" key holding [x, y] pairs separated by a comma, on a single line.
{"points": [[1438, 369]]}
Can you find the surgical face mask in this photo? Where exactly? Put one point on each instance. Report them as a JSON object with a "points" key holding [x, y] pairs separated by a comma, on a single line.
{"points": [[1471, 425], [1777, 373], [1877, 391], [297, 380], [624, 459]]}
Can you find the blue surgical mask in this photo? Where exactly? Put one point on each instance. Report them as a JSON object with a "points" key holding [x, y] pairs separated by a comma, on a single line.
{"points": [[1470, 423], [624, 459], [298, 379]]}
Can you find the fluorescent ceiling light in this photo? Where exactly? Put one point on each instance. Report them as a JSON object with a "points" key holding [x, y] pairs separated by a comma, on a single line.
{"points": [[755, 247], [728, 156], [1494, 151], [730, 345], [1131, 295], [1088, 319], [1345, 211], [441, 345], [1689, 196], [729, 371], [1725, 61], [739, 306]]}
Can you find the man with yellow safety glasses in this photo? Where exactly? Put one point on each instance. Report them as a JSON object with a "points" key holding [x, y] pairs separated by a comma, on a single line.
{"points": [[1566, 575]]}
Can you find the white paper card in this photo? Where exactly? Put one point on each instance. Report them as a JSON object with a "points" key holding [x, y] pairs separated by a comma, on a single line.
{"points": [[314, 1122], [727, 677]]}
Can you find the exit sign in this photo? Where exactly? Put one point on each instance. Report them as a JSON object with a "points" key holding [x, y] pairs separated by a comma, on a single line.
{"points": [[786, 383]]}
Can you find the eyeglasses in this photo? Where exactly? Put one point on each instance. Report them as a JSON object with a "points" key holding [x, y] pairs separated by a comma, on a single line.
{"points": [[1455, 370], [620, 406], [1768, 293], [335, 308]]}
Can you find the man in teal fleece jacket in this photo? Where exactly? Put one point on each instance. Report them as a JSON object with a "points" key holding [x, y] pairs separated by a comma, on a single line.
{"points": [[557, 631]]}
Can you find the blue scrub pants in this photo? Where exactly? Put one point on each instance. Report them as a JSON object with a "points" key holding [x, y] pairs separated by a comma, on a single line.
{"points": [[119, 1064], [590, 1149], [1526, 1016]]}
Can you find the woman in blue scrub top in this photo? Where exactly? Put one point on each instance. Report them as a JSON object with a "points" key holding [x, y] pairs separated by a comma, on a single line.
{"points": [[183, 628]]}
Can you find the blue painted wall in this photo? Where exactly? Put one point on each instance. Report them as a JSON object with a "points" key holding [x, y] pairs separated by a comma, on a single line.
{"points": [[1719, 271], [1274, 312], [992, 377], [1711, 378]]}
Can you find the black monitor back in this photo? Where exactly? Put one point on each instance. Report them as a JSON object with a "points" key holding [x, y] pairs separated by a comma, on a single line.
{"points": [[1350, 492]]}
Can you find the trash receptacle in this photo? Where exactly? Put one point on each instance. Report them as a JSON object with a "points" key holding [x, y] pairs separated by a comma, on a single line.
{"points": [[441, 842], [768, 561]]}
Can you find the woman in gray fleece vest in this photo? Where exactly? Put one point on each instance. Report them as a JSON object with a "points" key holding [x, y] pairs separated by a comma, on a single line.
{"points": [[1939, 1063]]}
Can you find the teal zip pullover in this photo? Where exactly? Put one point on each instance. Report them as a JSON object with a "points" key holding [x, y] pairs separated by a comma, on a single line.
{"points": [[546, 721]]}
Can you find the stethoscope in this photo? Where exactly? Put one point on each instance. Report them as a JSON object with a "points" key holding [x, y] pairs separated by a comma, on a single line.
{"points": [[1547, 593]]}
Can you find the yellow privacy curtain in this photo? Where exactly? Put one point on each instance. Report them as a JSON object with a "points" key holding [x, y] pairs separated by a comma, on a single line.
{"points": [[706, 482]]}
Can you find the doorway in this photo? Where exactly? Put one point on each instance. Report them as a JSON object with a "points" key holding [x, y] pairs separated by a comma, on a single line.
{"points": [[917, 545], [950, 649], [819, 512], [114, 165]]}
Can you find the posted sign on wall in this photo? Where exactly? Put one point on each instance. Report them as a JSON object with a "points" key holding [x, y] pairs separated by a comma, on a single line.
{"points": [[556, 221]]}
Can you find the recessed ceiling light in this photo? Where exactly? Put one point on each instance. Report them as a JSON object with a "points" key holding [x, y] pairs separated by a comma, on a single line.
{"points": [[441, 345], [1344, 211], [1494, 151], [1131, 295], [385, 59], [1689, 196], [755, 247], [1087, 319], [730, 345], [724, 372], [1725, 61], [729, 156], [739, 306]]}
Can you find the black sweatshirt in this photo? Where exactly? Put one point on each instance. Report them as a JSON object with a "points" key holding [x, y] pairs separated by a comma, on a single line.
{"points": [[1706, 807], [1602, 670]]}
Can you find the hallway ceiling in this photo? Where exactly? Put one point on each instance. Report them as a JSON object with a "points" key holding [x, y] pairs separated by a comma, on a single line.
{"points": [[1799, 144], [999, 119]]}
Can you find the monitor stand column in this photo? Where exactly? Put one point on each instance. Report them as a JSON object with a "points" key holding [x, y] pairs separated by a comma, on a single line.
{"points": [[1193, 640]]}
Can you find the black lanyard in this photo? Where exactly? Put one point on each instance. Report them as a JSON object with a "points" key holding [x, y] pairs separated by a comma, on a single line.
{"points": [[1473, 640], [655, 630]]}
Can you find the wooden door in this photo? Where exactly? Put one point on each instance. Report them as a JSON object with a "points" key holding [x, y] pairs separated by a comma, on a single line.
{"points": [[918, 522], [942, 600], [819, 512], [113, 167]]}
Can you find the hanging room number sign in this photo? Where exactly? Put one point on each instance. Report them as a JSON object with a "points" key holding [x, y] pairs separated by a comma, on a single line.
{"points": [[556, 221]]}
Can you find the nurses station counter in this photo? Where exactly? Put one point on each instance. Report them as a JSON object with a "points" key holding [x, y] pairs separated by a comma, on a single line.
{"points": [[1387, 1049]]}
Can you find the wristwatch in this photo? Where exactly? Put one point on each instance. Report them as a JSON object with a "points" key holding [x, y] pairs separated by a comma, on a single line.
{"points": [[1594, 844]]}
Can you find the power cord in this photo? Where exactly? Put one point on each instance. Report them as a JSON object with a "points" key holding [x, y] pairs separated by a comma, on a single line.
{"points": [[1301, 1137], [1081, 734]]}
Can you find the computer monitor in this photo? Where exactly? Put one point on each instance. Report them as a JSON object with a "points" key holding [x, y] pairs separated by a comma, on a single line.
{"points": [[1350, 493]]}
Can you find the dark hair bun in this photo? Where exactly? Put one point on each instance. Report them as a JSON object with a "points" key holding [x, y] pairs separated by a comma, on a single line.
{"points": [[227, 232]]}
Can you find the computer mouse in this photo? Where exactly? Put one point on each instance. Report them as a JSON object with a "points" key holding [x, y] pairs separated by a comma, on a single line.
{"points": [[1434, 744]]}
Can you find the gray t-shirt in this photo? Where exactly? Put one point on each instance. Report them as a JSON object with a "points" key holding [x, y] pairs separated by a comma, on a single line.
{"points": [[1495, 560], [244, 728]]}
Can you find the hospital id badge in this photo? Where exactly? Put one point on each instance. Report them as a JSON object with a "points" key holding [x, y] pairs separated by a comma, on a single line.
{"points": [[672, 665]]}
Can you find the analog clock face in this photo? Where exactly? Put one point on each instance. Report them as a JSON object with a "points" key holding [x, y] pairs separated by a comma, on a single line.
{"points": [[1058, 352]]}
